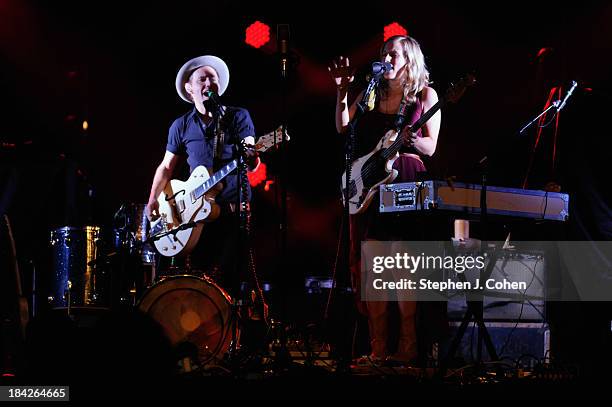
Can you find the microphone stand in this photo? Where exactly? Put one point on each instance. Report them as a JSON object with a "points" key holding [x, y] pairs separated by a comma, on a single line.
{"points": [[502, 146], [556, 104], [344, 340], [238, 297], [281, 352], [233, 358]]}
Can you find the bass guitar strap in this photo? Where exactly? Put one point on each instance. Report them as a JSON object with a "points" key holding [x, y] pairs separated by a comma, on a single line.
{"points": [[401, 113]]}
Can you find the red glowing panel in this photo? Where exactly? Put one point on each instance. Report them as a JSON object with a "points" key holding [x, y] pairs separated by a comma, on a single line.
{"points": [[258, 176], [257, 34], [394, 29]]}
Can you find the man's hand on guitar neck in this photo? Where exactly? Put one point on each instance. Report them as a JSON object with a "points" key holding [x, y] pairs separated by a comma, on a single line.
{"points": [[251, 156]]}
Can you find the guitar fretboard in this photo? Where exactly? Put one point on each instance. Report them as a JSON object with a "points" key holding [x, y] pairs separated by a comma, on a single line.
{"points": [[265, 142], [212, 181]]}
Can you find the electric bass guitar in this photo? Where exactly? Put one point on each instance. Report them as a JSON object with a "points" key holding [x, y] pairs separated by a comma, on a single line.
{"points": [[184, 207], [376, 167]]}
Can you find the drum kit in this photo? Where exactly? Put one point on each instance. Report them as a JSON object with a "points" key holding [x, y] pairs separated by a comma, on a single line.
{"points": [[90, 274]]}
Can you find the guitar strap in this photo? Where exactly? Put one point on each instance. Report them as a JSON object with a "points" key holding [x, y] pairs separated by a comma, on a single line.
{"points": [[401, 114], [218, 139], [218, 143]]}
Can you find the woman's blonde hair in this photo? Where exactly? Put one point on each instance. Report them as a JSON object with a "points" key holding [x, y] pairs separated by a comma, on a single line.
{"points": [[417, 75]]}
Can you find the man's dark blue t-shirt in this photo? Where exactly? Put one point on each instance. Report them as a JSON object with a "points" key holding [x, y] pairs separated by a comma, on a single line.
{"points": [[189, 136]]}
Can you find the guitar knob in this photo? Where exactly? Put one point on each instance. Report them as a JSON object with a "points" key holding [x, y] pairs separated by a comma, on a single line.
{"points": [[165, 249]]}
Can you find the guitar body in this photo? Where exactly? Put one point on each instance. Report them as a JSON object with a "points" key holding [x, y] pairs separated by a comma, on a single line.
{"points": [[181, 209], [368, 173]]}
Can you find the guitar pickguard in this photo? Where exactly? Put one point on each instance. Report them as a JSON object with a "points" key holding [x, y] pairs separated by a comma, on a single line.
{"points": [[373, 170]]}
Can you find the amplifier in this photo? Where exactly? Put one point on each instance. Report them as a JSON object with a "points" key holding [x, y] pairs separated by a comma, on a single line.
{"points": [[465, 198], [509, 305], [518, 341]]}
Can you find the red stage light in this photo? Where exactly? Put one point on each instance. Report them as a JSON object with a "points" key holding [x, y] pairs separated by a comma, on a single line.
{"points": [[258, 176], [268, 183], [257, 34], [394, 29]]}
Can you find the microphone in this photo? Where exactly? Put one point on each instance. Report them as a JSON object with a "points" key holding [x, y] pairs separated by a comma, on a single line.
{"points": [[212, 96], [379, 68], [282, 38], [214, 102], [567, 96]]}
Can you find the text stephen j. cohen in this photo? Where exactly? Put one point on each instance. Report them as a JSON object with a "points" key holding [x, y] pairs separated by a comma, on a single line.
{"points": [[411, 264]]}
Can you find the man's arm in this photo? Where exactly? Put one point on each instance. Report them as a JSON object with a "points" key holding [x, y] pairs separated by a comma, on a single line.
{"points": [[245, 131], [163, 173]]}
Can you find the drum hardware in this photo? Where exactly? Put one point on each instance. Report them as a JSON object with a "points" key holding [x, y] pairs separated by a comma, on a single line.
{"points": [[133, 295], [232, 353], [278, 345], [67, 295], [187, 356], [133, 260], [167, 232], [131, 231]]}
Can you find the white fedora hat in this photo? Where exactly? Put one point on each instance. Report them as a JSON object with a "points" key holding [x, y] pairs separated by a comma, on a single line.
{"points": [[206, 60]]}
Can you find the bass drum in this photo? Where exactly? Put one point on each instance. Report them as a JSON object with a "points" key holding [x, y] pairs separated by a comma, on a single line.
{"points": [[192, 310]]}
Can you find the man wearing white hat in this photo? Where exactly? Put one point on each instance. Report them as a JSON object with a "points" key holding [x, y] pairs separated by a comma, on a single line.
{"points": [[206, 135]]}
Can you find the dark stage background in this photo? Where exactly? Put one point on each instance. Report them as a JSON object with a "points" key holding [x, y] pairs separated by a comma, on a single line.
{"points": [[114, 65]]}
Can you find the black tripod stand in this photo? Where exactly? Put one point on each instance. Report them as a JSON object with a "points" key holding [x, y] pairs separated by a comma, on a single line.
{"points": [[474, 312], [475, 299]]}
